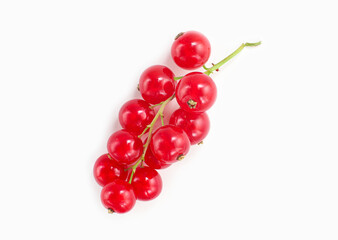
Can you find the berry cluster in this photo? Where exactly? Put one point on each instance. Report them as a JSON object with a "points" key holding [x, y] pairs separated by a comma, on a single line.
{"points": [[128, 171]]}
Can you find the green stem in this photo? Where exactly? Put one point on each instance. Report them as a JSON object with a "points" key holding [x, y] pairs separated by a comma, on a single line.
{"points": [[238, 50], [144, 131], [163, 104], [134, 168], [162, 119], [177, 78], [155, 105], [151, 127]]}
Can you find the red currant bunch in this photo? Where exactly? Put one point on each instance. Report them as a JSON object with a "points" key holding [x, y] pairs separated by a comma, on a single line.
{"points": [[129, 170]]}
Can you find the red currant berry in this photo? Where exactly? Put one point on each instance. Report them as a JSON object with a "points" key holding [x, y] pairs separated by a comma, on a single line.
{"points": [[190, 50], [196, 92], [135, 115], [195, 125], [169, 144], [152, 162], [125, 147], [118, 196], [147, 183], [106, 170], [157, 84]]}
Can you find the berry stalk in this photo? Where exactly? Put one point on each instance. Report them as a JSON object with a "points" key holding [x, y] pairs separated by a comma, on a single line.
{"points": [[163, 104], [238, 50], [151, 128]]}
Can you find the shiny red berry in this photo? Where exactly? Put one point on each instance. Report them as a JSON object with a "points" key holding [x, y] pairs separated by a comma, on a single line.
{"points": [[157, 84], [147, 183], [125, 147], [135, 115], [195, 125], [169, 144], [196, 92], [106, 170], [152, 162], [118, 196], [190, 50]]}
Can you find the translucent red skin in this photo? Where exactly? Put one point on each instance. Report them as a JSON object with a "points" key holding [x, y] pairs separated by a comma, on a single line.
{"points": [[195, 125], [106, 170], [147, 183], [198, 87], [124, 147], [157, 84], [152, 162], [168, 143], [191, 50], [135, 115], [118, 196]]}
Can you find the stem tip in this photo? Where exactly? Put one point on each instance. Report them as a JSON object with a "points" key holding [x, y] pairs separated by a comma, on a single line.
{"points": [[178, 35], [253, 44]]}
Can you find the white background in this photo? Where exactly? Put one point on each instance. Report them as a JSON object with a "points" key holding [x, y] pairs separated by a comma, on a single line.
{"points": [[267, 170]]}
